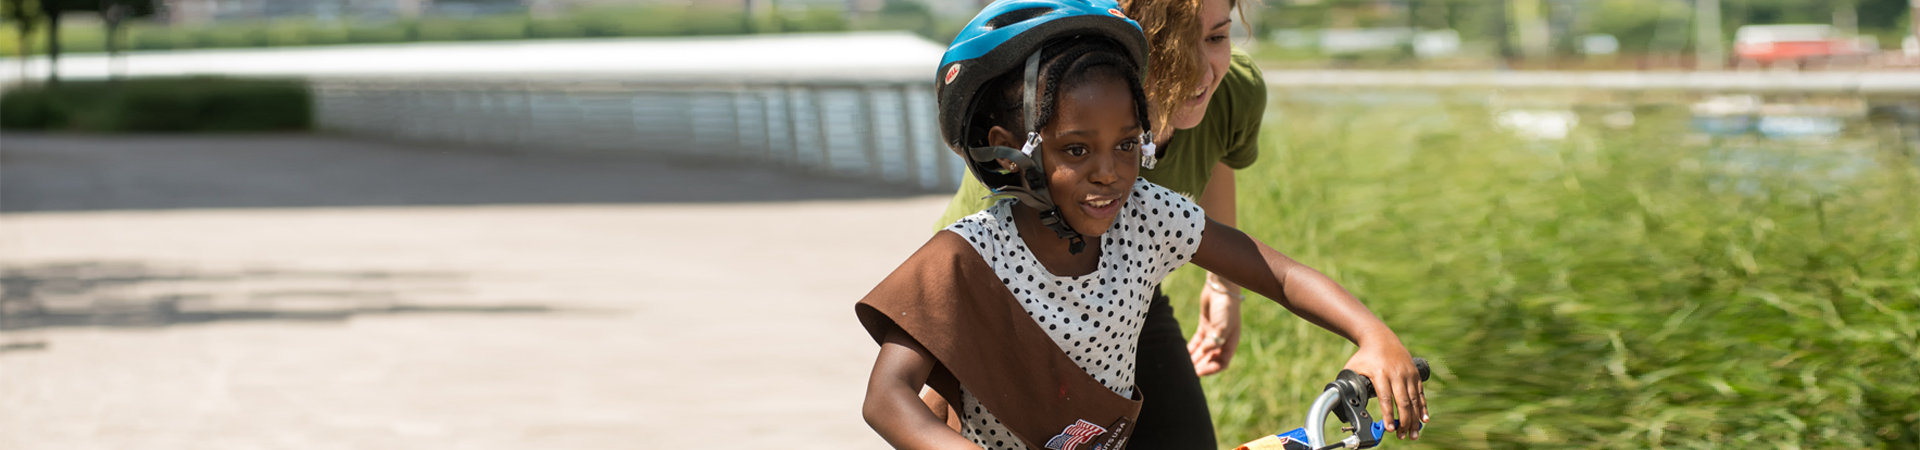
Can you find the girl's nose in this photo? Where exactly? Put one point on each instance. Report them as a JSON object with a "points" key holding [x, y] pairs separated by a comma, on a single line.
{"points": [[1103, 170]]}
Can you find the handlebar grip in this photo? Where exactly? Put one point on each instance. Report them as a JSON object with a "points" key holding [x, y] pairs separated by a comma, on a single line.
{"points": [[1421, 363]]}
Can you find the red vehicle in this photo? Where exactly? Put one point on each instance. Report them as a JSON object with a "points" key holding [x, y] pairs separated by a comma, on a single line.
{"points": [[1768, 45]]}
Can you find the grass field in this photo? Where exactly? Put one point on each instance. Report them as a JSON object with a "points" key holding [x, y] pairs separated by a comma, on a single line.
{"points": [[1637, 288]]}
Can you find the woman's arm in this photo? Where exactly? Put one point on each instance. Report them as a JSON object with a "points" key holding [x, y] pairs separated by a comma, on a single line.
{"points": [[1316, 298], [893, 406], [1217, 333]]}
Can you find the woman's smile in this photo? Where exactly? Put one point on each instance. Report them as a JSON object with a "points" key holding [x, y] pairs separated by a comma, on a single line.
{"points": [[1200, 98]]}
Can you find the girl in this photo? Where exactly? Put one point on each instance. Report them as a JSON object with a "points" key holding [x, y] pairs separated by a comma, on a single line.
{"points": [[1208, 100], [1029, 313]]}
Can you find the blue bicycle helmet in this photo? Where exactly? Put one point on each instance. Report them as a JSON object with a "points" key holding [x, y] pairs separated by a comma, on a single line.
{"points": [[1009, 36]]}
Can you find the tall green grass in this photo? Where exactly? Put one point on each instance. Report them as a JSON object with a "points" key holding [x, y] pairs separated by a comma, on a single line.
{"points": [[1637, 288]]}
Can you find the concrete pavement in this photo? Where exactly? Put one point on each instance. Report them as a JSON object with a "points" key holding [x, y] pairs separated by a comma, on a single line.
{"points": [[308, 292]]}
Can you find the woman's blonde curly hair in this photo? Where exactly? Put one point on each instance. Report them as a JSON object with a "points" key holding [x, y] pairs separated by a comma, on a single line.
{"points": [[1175, 64]]}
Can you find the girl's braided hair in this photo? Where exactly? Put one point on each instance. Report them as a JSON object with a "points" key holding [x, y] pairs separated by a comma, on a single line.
{"points": [[1064, 64]]}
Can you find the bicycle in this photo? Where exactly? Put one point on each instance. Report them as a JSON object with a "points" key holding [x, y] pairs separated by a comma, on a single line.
{"points": [[1347, 397]]}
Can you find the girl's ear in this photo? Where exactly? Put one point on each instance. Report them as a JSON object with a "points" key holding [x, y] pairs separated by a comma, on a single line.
{"points": [[1001, 137]]}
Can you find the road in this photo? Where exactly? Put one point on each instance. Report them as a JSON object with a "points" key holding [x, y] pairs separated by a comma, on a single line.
{"points": [[315, 292]]}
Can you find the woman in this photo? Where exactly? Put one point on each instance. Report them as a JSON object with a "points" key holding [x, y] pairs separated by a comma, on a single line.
{"points": [[1210, 98]]}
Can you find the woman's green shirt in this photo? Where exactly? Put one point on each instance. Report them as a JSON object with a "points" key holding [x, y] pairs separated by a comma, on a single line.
{"points": [[1228, 133]]}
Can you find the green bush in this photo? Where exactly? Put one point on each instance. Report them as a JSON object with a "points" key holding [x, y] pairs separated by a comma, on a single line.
{"points": [[495, 28], [230, 36], [159, 105], [812, 20], [711, 21], [380, 33], [1615, 289], [81, 39], [144, 37], [555, 28], [438, 30]]}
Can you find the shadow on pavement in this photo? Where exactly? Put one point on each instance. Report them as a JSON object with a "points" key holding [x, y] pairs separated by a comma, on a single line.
{"points": [[43, 172], [128, 294]]}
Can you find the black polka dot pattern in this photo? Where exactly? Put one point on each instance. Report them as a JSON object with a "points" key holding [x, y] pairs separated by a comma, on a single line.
{"points": [[1094, 318]]}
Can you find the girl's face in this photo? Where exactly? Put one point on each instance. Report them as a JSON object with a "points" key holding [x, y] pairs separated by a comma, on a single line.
{"points": [[1215, 19], [1091, 152]]}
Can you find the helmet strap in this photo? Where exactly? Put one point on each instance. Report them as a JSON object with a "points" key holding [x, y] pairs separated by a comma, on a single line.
{"points": [[1035, 177]]}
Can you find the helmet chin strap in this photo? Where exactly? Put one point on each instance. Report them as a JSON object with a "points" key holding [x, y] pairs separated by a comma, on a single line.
{"points": [[1033, 178]]}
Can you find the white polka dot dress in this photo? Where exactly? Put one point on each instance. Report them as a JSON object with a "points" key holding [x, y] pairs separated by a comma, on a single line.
{"points": [[1095, 318]]}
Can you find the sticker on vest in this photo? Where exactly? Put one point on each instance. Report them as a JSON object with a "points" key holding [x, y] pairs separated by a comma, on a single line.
{"points": [[1079, 433]]}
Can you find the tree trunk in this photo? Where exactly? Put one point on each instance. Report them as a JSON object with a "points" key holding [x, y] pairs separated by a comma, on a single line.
{"points": [[1502, 29], [52, 10], [26, 49], [114, 15]]}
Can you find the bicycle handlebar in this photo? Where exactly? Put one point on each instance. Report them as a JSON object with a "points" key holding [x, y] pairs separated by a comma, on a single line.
{"points": [[1348, 396]]}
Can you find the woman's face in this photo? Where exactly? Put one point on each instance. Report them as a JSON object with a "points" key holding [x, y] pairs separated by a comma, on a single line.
{"points": [[1215, 19], [1091, 152]]}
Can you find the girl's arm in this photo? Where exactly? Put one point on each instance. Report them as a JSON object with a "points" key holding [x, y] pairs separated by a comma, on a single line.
{"points": [[893, 406], [1311, 295]]}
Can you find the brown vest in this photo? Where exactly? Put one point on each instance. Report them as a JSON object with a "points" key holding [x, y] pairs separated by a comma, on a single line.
{"points": [[950, 300]]}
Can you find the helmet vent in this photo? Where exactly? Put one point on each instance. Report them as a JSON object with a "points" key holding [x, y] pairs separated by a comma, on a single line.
{"points": [[1016, 16]]}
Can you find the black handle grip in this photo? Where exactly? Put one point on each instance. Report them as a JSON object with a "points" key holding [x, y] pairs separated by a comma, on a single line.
{"points": [[1421, 363]]}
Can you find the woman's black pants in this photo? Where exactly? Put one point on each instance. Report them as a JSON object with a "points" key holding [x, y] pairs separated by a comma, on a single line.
{"points": [[1174, 416]]}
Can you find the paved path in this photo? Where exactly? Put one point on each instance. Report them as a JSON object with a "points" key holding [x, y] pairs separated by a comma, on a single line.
{"points": [[299, 292]]}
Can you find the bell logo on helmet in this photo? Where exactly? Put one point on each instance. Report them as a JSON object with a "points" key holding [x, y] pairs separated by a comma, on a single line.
{"points": [[1116, 13], [952, 71]]}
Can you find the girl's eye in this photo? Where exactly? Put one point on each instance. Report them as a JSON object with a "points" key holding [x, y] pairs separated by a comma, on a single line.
{"points": [[1076, 151], [1129, 145], [1215, 39]]}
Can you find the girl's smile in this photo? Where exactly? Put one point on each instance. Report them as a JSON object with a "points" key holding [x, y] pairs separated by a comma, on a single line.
{"points": [[1093, 152], [1103, 209]]}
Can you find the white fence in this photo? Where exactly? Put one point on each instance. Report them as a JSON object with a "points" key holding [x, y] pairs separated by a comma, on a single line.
{"points": [[877, 130]]}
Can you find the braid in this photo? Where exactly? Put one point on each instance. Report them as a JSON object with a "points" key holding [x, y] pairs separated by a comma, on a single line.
{"points": [[1064, 64], [1082, 60]]}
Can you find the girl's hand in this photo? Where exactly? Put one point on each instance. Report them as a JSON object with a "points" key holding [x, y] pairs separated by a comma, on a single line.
{"points": [[1396, 382], [1218, 333]]}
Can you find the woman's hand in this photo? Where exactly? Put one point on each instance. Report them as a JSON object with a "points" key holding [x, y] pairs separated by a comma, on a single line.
{"points": [[1218, 333], [1396, 382]]}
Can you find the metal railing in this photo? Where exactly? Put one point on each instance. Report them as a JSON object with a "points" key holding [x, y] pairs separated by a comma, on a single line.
{"points": [[877, 130]]}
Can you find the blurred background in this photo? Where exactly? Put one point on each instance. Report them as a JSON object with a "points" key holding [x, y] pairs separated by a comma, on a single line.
{"points": [[640, 223]]}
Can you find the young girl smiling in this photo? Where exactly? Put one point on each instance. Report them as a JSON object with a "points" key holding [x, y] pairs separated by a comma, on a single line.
{"points": [[1010, 310]]}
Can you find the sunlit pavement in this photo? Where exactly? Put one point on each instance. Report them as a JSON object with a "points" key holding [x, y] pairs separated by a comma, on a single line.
{"points": [[154, 302]]}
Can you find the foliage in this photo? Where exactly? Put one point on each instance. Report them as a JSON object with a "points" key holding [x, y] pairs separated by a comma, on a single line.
{"points": [[1644, 26], [159, 105], [1619, 289]]}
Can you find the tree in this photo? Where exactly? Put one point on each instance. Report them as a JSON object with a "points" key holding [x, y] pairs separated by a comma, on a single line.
{"points": [[113, 11], [25, 17]]}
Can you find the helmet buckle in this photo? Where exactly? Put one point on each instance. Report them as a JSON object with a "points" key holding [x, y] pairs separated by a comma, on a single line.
{"points": [[1032, 145], [1149, 152]]}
